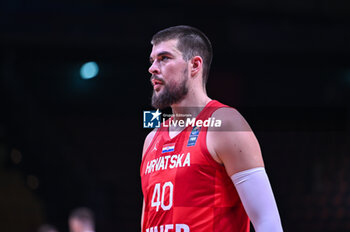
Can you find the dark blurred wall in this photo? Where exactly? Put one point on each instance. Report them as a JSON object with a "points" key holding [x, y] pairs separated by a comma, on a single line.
{"points": [[67, 142]]}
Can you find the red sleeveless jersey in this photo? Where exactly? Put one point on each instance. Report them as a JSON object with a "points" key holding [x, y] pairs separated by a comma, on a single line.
{"points": [[184, 188]]}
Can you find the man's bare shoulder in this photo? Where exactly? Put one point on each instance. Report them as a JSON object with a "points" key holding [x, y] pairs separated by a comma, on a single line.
{"points": [[231, 120], [233, 144], [148, 140]]}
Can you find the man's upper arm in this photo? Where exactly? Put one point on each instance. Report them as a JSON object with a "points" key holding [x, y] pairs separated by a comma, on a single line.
{"points": [[235, 144], [148, 141]]}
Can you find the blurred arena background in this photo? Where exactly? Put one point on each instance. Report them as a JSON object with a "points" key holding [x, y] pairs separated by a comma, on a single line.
{"points": [[67, 142]]}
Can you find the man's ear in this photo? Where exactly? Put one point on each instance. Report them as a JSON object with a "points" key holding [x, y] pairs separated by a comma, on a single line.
{"points": [[196, 65]]}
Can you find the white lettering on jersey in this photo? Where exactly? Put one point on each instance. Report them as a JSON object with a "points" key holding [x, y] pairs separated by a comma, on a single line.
{"points": [[179, 159], [161, 163], [187, 160], [167, 159], [169, 228], [182, 228], [173, 161]]}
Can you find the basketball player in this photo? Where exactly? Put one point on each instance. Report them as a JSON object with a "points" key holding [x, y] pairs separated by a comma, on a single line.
{"points": [[81, 220], [195, 178]]}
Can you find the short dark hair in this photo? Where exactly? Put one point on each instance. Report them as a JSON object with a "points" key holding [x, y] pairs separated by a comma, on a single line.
{"points": [[191, 42], [84, 215]]}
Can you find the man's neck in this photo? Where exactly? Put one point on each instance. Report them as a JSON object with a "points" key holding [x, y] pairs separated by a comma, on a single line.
{"points": [[189, 107]]}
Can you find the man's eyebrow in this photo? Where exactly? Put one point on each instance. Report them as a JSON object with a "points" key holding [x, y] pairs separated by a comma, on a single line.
{"points": [[164, 53], [161, 54]]}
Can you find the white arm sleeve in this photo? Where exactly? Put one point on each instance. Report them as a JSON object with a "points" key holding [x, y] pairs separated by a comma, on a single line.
{"points": [[254, 189]]}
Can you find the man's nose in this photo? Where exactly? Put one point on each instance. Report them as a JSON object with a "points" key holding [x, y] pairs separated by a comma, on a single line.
{"points": [[154, 69]]}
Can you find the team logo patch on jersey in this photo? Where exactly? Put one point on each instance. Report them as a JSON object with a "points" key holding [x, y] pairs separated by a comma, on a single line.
{"points": [[195, 131], [193, 136], [168, 147]]}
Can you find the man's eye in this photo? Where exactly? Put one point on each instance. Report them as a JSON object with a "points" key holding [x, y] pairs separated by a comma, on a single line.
{"points": [[163, 58]]}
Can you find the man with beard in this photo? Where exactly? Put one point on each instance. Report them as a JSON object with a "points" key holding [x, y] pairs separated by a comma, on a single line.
{"points": [[195, 177]]}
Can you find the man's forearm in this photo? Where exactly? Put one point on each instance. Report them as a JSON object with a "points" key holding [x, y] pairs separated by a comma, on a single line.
{"points": [[256, 194]]}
